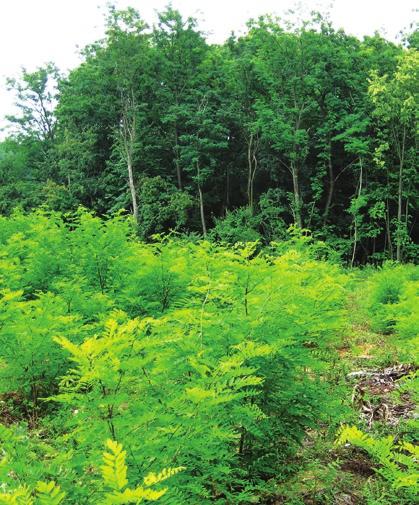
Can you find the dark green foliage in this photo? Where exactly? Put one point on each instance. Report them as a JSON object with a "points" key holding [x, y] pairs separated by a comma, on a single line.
{"points": [[162, 207], [239, 225], [303, 124]]}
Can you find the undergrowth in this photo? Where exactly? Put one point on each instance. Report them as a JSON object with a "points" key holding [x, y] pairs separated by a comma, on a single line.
{"points": [[228, 362]]}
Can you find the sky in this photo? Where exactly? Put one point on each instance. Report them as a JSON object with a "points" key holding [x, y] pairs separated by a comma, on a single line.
{"points": [[33, 32]]}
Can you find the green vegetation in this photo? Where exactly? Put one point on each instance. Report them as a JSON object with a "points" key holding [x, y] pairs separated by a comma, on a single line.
{"points": [[215, 359], [289, 124], [398, 462], [180, 224]]}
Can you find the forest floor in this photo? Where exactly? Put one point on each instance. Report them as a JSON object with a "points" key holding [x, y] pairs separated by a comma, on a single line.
{"points": [[369, 373]]}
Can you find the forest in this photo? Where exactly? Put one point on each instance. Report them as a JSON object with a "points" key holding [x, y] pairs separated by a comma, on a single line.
{"points": [[208, 282], [286, 125]]}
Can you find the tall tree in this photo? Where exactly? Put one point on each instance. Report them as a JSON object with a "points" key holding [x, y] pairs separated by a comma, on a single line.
{"points": [[180, 50], [396, 101]]}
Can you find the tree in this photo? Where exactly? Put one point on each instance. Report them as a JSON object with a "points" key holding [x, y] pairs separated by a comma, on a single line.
{"points": [[35, 95], [128, 54], [199, 147], [396, 104], [284, 111], [180, 51]]}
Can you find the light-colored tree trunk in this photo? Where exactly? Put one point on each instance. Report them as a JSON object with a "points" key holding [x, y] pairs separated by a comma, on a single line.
{"points": [[297, 195], [202, 211], [252, 166], [128, 138], [177, 162], [132, 190], [355, 216], [400, 197]]}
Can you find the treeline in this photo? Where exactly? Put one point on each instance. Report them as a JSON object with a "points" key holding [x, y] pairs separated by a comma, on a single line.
{"points": [[285, 125]]}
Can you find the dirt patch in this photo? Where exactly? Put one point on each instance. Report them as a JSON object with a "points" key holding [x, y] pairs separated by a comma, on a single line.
{"points": [[9, 403], [372, 394], [358, 464]]}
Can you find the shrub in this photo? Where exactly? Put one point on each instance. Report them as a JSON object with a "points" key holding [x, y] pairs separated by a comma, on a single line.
{"points": [[189, 354], [239, 225], [386, 289]]}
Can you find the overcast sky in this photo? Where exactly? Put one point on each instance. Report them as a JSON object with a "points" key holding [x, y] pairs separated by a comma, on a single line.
{"points": [[33, 32]]}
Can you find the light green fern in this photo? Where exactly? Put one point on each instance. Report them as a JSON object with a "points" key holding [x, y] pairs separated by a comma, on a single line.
{"points": [[397, 461], [46, 493], [114, 473]]}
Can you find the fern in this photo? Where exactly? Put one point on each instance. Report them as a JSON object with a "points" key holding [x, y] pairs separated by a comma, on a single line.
{"points": [[114, 469], [397, 461], [45, 493], [114, 473], [49, 494], [20, 496], [114, 476]]}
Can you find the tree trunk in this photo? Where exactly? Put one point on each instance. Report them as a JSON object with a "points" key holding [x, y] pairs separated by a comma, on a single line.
{"points": [[227, 197], [331, 186], [202, 211], [201, 201], [355, 216], [297, 195], [400, 200], [178, 168], [252, 168], [388, 231], [129, 134], [132, 189]]}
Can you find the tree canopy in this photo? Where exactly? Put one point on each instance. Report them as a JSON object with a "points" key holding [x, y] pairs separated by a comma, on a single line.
{"points": [[299, 125]]}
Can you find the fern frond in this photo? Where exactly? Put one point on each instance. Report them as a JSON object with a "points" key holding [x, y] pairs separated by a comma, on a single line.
{"points": [[48, 493], [20, 496], [114, 469], [155, 478], [133, 496]]}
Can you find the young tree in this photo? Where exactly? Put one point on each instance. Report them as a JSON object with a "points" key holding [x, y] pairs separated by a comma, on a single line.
{"points": [[284, 112], [129, 55]]}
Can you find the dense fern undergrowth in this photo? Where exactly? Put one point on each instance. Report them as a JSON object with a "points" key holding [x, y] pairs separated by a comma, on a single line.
{"points": [[125, 364]]}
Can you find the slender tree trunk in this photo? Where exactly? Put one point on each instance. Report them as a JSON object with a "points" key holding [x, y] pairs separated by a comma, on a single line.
{"points": [[295, 169], [129, 134], [201, 203], [400, 199], [177, 163], [297, 195], [355, 216], [252, 168], [132, 189], [331, 186], [249, 172], [388, 231], [202, 211], [227, 200]]}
